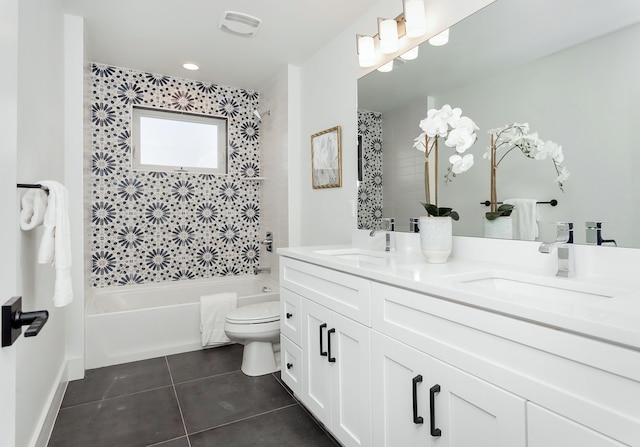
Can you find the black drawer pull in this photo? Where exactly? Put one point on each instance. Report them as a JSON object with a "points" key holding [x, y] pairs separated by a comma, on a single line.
{"points": [[289, 365], [416, 419], [331, 331], [435, 432], [322, 351], [289, 315]]}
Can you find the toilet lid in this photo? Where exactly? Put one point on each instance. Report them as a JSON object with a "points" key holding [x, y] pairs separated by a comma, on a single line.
{"points": [[255, 313]]}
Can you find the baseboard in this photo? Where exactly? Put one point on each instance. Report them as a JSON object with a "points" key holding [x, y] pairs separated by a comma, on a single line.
{"points": [[48, 419]]}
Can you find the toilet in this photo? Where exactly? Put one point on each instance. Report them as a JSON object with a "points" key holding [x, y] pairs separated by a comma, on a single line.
{"points": [[257, 327]]}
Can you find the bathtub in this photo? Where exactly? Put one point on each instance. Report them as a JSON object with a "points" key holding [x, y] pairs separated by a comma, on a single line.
{"points": [[137, 322]]}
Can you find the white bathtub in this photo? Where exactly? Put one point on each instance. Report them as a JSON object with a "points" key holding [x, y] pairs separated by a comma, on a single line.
{"points": [[128, 323]]}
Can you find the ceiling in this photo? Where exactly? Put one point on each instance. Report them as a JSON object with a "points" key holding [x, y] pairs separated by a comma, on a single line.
{"points": [[158, 36], [503, 35]]}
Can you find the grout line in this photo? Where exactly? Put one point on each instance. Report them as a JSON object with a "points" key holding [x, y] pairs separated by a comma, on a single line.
{"points": [[168, 440], [244, 419], [115, 397], [175, 393], [208, 377]]}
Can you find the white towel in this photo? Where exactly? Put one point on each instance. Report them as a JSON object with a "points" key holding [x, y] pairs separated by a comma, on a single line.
{"points": [[525, 219], [34, 205], [213, 310], [55, 246]]}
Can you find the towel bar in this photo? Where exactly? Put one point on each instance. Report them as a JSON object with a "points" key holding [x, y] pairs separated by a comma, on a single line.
{"points": [[33, 186], [552, 202]]}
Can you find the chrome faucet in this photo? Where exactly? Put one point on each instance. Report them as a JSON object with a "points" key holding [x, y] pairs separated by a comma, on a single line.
{"points": [[388, 225], [258, 270], [564, 243]]}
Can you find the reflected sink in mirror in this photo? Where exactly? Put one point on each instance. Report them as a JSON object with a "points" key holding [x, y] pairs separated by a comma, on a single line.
{"points": [[532, 290], [355, 254]]}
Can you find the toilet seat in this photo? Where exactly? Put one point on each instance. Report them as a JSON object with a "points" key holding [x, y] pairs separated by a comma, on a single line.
{"points": [[267, 312]]}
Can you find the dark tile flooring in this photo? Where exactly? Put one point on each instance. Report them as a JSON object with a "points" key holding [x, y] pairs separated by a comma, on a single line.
{"points": [[195, 399]]}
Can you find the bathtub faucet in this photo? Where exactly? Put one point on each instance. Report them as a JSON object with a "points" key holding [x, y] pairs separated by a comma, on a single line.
{"points": [[258, 270]]}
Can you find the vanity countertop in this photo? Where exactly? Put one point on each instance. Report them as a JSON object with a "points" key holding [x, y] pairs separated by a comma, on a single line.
{"points": [[602, 308]]}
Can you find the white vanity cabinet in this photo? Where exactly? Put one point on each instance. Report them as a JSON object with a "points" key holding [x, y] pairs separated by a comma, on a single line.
{"points": [[420, 401], [334, 347]]}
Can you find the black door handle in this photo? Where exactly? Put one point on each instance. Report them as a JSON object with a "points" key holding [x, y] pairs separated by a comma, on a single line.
{"points": [[331, 331], [435, 432], [416, 419], [322, 351]]}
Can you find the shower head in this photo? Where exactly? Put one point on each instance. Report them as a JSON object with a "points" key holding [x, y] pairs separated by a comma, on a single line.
{"points": [[261, 115]]}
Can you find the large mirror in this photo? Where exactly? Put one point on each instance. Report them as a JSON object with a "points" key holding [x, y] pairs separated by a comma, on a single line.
{"points": [[569, 69]]}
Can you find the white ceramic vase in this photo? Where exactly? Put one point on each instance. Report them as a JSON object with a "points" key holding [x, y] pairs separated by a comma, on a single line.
{"points": [[498, 228], [436, 238]]}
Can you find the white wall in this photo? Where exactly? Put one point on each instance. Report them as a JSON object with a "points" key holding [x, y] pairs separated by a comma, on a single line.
{"points": [[329, 98], [586, 99], [42, 135]]}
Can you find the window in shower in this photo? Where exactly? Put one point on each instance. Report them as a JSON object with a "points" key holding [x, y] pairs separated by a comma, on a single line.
{"points": [[165, 140]]}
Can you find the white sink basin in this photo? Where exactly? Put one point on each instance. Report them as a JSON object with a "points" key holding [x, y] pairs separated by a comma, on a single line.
{"points": [[356, 254], [533, 290]]}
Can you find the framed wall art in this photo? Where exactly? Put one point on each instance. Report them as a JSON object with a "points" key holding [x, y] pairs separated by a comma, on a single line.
{"points": [[326, 159]]}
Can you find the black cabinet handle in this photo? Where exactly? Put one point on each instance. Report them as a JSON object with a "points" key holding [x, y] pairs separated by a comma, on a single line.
{"points": [[289, 315], [322, 351], [416, 419], [435, 432], [331, 331], [289, 365]]}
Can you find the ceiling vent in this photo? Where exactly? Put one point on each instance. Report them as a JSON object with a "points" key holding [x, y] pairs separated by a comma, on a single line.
{"points": [[239, 24]]}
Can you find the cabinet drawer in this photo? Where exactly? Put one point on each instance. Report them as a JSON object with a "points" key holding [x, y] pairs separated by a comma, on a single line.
{"points": [[290, 317], [292, 365], [346, 294]]}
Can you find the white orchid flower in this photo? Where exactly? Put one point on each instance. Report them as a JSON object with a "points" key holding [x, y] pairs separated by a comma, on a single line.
{"points": [[435, 126], [466, 123], [418, 142], [461, 139], [549, 149], [461, 164], [563, 175]]}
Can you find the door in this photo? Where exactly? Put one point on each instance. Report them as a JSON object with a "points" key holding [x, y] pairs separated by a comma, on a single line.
{"points": [[349, 345], [469, 412], [400, 401], [9, 204], [316, 384]]}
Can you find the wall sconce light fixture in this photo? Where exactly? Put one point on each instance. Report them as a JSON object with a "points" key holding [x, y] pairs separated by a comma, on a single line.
{"points": [[411, 54], [415, 18], [366, 50], [386, 68], [388, 35]]}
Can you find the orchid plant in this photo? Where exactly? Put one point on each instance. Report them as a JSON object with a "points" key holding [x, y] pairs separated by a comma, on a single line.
{"points": [[459, 132], [516, 136]]}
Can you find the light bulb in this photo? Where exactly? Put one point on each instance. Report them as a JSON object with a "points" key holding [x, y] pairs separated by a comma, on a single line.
{"points": [[440, 39], [386, 67], [388, 32], [366, 51], [411, 54], [415, 19]]}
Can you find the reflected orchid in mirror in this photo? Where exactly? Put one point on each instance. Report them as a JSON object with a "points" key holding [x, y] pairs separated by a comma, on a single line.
{"points": [[459, 132]]}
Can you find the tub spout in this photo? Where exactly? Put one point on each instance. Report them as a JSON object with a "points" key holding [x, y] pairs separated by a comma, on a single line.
{"points": [[258, 270]]}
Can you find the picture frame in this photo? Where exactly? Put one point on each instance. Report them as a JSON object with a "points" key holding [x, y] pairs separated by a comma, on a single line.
{"points": [[326, 159]]}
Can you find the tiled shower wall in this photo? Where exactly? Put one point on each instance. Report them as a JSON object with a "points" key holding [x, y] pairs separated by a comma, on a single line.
{"points": [[370, 210], [162, 226]]}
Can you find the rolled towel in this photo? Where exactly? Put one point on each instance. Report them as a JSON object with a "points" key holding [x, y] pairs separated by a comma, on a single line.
{"points": [[34, 205], [55, 246], [525, 217], [213, 310]]}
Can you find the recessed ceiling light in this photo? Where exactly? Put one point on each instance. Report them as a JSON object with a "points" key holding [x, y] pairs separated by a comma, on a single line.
{"points": [[239, 23], [191, 66]]}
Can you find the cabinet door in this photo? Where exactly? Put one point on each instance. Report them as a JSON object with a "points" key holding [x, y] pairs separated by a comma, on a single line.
{"points": [[469, 412], [292, 370], [316, 384], [547, 429], [399, 380], [348, 348]]}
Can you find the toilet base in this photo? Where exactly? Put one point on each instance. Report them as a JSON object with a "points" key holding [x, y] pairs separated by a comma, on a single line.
{"points": [[258, 359]]}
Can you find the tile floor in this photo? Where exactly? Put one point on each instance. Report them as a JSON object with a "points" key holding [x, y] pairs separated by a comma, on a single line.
{"points": [[195, 399]]}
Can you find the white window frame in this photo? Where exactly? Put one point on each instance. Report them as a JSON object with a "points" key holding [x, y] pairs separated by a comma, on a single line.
{"points": [[222, 144]]}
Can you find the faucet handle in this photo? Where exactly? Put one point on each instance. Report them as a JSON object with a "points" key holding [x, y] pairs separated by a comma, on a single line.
{"points": [[564, 232], [594, 233], [388, 224]]}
